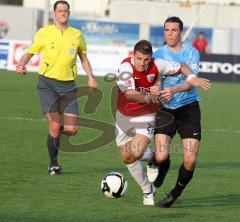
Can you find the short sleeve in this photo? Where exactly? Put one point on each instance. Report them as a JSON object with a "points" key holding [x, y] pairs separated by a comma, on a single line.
{"points": [[125, 77], [37, 44], [193, 62], [82, 45]]}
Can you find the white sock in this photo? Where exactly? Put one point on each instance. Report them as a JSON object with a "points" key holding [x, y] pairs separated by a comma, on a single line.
{"points": [[147, 155], [137, 171]]}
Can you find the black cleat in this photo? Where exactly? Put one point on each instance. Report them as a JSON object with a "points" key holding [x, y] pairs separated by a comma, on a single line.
{"points": [[166, 202], [54, 170]]}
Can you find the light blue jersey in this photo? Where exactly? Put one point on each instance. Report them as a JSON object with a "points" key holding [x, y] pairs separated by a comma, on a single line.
{"points": [[188, 55]]}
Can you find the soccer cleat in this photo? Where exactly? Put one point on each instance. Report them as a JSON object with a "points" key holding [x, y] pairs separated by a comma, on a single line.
{"points": [[54, 170], [148, 198], [152, 172], [166, 202]]}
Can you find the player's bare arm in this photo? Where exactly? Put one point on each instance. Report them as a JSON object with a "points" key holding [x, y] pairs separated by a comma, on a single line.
{"points": [[193, 79], [168, 93], [92, 83], [173, 68], [135, 96], [21, 66]]}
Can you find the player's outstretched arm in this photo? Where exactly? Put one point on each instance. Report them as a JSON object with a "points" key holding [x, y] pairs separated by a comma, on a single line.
{"points": [[21, 66], [135, 96], [194, 80], [168, 93], [199, 82]]}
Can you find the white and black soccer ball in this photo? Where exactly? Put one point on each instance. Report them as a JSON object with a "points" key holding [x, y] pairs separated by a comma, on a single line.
{"points": [[114, 185]]}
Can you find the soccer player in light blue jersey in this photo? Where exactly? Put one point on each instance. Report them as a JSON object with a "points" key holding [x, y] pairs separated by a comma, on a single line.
{"points": [[185, 109]]}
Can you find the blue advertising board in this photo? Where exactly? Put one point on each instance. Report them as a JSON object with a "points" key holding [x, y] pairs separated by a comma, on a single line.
{"points": [[107, 33], [4, 51], [156, 36]]}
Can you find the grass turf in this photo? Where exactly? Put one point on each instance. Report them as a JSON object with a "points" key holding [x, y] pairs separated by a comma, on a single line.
{"points": [[27, 193]]}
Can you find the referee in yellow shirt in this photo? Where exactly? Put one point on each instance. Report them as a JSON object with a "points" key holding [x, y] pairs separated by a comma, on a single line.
{"points": [[59, 44]]}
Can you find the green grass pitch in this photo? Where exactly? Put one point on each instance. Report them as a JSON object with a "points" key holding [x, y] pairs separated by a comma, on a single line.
{"points": [[28, 193]]}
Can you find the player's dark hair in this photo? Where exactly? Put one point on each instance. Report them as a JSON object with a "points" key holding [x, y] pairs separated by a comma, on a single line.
{"points": [[60, 2], [143, 46], [174, 19]]}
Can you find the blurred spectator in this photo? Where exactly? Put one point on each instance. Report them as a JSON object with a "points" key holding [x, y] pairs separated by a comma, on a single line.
{"points": [[201, 43], [3, 29]]}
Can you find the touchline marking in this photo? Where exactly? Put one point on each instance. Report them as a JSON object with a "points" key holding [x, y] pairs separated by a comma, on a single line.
{"points": [[22, 119], [14, 118], [222, 130]]}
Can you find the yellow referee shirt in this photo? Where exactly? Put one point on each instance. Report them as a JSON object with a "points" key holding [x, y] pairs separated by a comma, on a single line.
{"points": [[59, 51]]}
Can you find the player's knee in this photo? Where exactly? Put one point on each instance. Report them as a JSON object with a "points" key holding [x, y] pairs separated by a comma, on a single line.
{"points": [[71, 130], [137, 149], [161, 158], [127, 159], [190, 163], [55, 130], [137, 154]]}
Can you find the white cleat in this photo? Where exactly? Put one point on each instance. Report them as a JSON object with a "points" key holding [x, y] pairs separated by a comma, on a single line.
{"points": [[152, 173], [148, 198]]}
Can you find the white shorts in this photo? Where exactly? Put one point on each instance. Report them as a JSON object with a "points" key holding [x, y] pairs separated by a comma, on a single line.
{"points": [[127, 126]]}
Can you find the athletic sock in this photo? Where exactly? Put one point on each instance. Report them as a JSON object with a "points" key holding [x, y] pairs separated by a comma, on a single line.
{"points": [[62, 129], [148, 155], [137, 171], [53, 145], [162, 171], [164, 167], [184, 177]]}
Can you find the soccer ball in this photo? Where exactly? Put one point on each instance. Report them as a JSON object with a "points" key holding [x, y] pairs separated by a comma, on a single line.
{"points": [[114, 185]]}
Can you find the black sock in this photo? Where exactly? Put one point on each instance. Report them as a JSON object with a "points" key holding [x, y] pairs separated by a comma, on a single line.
{"points": [[162, 171], [62, 129], [164, 167], [184, 177], [53, 145]]}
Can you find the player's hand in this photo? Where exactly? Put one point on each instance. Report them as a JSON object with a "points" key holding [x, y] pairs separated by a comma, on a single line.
{"points": [[92, 84], [21, 69], [201, 82], [166, 94], [154, 90]]}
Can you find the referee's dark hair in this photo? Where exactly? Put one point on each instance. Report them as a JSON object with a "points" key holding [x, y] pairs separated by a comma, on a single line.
{"points": [[143, 46], [61, 2], [174, 19]]}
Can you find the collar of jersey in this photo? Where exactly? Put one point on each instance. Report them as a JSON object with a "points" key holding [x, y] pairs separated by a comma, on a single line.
{"points": [[55, 28]]}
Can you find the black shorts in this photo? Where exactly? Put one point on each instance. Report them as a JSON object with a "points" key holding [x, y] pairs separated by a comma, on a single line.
{"points": [[187, 122], [57, 96]]}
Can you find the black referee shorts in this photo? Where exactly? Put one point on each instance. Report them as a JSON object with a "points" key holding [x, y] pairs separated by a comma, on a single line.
{"points": [[57, 96], [187, 122]]}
